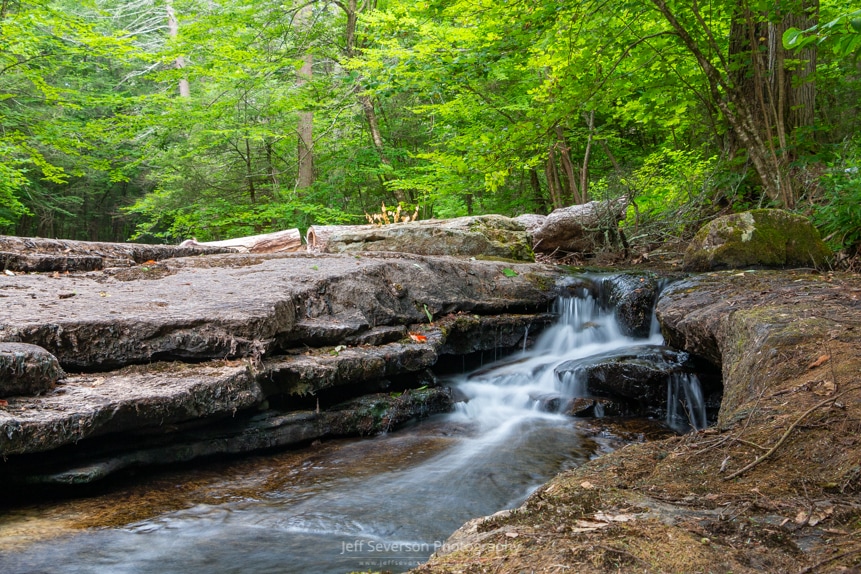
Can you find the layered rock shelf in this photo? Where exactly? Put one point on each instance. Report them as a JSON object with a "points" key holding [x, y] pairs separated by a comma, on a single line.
{"points": [[172, 360]]}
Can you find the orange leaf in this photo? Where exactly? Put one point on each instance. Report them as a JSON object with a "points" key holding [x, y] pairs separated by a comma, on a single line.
{"points": [[818, 361], [4, 403], [418, 338], [150, 262]]}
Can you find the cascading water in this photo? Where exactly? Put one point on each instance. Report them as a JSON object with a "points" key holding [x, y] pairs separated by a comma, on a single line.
{"points": [[358, 509]]}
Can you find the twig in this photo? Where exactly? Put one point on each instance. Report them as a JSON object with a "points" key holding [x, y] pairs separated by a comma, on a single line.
{"points": [[813, 567], [786, 434]]}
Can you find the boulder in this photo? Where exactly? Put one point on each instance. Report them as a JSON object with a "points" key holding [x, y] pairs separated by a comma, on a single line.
{"points": [[27, 369], [486, 236], [578, 228], [758, 238]]}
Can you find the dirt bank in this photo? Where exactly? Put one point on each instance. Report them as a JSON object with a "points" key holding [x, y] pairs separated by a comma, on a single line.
{"points": [[773, 488]]}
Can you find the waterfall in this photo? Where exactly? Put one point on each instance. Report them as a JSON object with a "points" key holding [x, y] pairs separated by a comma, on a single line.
{"points": [[686, 407]]}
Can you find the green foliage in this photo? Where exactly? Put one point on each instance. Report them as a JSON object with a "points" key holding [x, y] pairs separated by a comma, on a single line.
{"points": [[839, 213]]}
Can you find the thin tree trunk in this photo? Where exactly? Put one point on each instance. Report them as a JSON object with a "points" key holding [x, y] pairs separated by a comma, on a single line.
{"points": [[305, 123], [352, 11], [179, 63], [584, 171], [538, 196], [568, 165], [552, 177]]}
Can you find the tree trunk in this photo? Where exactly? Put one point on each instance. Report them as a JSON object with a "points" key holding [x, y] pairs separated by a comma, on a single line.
{"points": [[352, 12], [753, 88], [568, 166], [179, 63], [305, 123]]}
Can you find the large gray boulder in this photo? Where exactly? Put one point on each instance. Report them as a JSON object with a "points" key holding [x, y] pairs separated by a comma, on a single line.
{"points": [[488, 236], [758, 238]]}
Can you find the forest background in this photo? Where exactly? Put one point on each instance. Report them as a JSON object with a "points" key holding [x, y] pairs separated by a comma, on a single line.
{"points": [[159, 120]]}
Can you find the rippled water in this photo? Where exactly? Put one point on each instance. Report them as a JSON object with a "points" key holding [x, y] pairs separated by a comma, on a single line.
{"points": [[382, 503]]}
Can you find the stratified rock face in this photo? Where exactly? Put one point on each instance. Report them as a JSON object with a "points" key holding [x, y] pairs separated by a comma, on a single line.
{"points": [[492, 236], [149, 396], [228, 306], [27, 369], [758, 238]]}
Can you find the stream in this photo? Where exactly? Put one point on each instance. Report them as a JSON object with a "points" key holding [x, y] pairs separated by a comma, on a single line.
{"points": [[383, 503]]}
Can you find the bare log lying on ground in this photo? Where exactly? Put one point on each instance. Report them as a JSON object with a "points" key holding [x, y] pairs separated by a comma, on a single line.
{"points": [[29, 254], [278, 242], [319, 235], [579, 228]]}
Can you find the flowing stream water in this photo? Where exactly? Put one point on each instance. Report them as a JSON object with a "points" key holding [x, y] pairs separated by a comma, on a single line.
{"points": [[384, 503]]}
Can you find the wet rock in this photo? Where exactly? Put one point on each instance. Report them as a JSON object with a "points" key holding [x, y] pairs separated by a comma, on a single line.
{"points": [[633, 298], [313, 371], [761, 238], [27, 370], [378, 413], [466, 333], [491, 236], [217, 306], [368, 415], [147, 396], [635, 374]]}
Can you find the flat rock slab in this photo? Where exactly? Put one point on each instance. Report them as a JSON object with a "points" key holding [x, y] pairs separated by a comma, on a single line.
{"points": [[136, 397], [27, 369], [227, 306]]}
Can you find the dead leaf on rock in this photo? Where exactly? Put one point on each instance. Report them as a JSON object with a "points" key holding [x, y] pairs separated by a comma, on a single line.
{"points": [[818, 362], [512, 534], [418, 338], [587, 485]]}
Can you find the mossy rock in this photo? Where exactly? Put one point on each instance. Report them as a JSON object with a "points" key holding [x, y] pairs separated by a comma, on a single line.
{"points": [[757, 238]]}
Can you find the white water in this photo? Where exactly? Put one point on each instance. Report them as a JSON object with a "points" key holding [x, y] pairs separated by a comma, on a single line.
{"points": [[503, 446], [508, 393]]}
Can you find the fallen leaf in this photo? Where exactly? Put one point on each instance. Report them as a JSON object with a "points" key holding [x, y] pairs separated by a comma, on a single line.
{"points": [[418, 338], [150, 262], [104, 294], [512, 534], [509, 272], [587, 485], [10, 273], [821, 360]]}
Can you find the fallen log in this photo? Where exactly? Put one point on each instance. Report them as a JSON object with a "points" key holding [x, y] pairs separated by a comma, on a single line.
{"points": [[318, 235], [37, 254], [284, 241]]}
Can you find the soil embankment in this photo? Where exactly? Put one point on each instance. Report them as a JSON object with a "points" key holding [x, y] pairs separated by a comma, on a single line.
{"points": [[772, 488]]}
